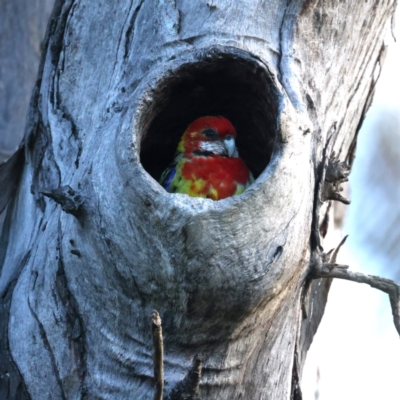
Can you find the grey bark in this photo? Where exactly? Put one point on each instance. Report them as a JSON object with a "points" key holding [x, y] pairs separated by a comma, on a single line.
{"points": [[91, 243]]}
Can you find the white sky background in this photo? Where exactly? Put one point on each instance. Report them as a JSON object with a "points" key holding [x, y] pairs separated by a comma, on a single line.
{"points": [[356, 348]]}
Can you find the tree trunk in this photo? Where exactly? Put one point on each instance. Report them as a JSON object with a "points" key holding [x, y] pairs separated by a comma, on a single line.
{"points": [[91, 243]]}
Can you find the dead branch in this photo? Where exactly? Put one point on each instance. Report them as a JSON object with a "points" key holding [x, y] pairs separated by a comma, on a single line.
{"points": [[332, 270], [188, 388], [158, 355]]}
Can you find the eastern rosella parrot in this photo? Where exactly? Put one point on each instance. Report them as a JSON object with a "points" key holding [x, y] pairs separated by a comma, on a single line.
{"points": [[207, 163]]}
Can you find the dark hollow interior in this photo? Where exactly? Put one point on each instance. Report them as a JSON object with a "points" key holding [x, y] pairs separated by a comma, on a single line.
{"points": [[237, 88]]}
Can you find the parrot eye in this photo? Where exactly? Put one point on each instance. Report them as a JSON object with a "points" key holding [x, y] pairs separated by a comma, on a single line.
{"points": [[229, 136], [210, 133]]}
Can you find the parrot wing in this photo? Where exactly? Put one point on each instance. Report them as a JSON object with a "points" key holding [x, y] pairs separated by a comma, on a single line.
{"points": [[167, 177]]}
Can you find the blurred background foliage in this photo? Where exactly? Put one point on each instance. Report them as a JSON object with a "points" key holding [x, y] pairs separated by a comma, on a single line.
{"points": [[356, 351], [22, 27]]}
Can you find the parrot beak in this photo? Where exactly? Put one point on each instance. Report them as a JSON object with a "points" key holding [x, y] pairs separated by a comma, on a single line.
{"points": [[230, 146]]}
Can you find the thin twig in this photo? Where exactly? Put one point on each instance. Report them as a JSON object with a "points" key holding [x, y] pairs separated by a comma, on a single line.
{"points": [[336, 251], [188, 387], [194, 376], [388, 286], [158, 355]]}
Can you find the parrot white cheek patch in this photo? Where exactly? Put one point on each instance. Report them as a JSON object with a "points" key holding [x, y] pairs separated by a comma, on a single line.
{"points": [[214, 147]]}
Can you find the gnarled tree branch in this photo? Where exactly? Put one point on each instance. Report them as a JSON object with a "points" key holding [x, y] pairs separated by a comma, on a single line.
{"points": [[330, 269]]}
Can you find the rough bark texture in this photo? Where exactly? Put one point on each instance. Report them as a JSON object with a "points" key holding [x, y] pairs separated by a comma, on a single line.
{"points": [[118, 84]]}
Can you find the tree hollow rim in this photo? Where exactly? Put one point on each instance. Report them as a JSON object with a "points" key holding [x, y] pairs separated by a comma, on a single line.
{"points": [[218, 80]]}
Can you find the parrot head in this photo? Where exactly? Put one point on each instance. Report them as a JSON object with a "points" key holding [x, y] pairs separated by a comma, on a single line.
{"points": [[209, 135], [207, 163]]}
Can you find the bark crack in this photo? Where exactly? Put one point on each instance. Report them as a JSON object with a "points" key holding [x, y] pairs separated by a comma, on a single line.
{"points": [[178, 20], [46, 344], [296, 389], [74, 320], [371, 91], [56, 46], [12, 382], [130, 32], [46, 172], [289, 23], [57, 56], [280, 54], [74, 132]]}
